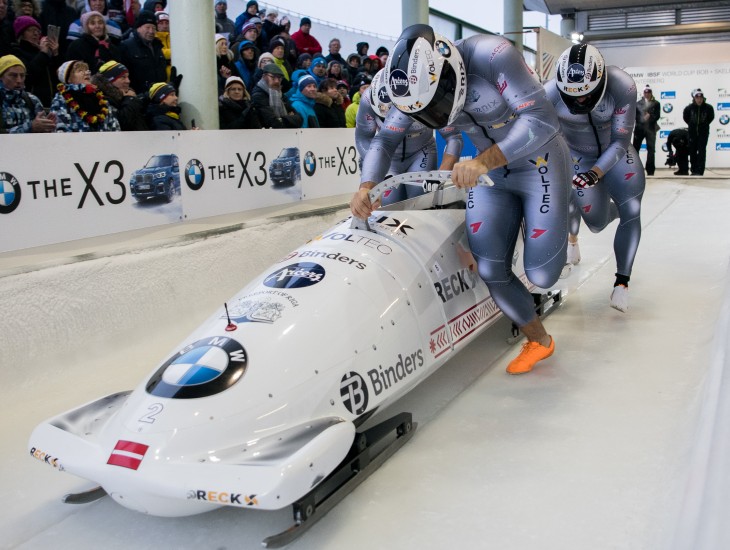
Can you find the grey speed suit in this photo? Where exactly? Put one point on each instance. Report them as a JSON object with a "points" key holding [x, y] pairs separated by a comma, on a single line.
{"points": [[602, 138], [506, 104], [391, 146]]}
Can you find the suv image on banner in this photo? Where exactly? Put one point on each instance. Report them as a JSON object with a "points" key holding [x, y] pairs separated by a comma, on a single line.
{"points": [[160, 177], [286, 169]]}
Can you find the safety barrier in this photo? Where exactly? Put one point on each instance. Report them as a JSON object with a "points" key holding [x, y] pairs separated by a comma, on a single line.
{"points": [[63, 187]]}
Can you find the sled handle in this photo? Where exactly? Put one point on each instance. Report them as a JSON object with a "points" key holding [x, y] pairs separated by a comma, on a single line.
{"points": [[412, 178]]}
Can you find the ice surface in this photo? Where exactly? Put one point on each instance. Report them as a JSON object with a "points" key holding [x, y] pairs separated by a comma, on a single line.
{"points": [[611, 443]]}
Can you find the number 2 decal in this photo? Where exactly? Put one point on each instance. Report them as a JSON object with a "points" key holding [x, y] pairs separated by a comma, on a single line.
{"points": [[155, 409]]}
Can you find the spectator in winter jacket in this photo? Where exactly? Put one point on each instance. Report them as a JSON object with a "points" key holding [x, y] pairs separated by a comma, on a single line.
{"points": [[142, 54], [93, 47], [698, 115], [113, 30], [224, 62], [223, 25], [248, 59], [129, 108], [163, 112], [80, 106], [41, 58], [163, 35], [20, 112], [252, 10], [60, 14], [334, 52], [648, 111], [235, 108], [330, 113], [273, 108], [304, 99], [306, 43]]}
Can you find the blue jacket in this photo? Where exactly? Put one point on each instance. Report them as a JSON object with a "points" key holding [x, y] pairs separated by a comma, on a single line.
{"points": [[305, 107]]}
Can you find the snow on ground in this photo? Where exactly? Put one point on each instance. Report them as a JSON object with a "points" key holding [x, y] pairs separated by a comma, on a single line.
{"points": [[605, 446]]}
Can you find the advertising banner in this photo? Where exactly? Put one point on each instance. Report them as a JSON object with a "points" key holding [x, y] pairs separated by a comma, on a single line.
{"points": [[64, 187], [672, 87]]}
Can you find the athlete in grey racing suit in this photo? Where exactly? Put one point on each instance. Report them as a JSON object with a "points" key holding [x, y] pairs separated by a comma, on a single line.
{"points": [[506, 106], [601, 141], [392, 145], [508, 117]]}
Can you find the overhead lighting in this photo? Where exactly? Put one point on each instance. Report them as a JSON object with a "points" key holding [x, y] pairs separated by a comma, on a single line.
{"points": [[576, 37]]}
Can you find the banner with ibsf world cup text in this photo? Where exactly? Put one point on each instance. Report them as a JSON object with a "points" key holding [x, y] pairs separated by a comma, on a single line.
{"points": [[672, 87], [63, 187]]}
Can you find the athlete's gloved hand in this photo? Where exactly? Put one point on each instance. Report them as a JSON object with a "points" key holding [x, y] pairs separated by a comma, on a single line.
{"points": [[671, 161], [585, 179]]}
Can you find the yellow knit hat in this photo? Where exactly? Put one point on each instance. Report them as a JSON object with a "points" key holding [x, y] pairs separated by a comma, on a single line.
{"points": [[8, 61]]}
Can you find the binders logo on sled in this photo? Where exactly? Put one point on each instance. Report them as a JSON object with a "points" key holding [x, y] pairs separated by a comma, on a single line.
{"points": [[127, 454]]}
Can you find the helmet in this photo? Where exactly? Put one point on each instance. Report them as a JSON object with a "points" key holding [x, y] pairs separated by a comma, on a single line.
{"points": [[379, 98], [426, 77], [581, 78]]}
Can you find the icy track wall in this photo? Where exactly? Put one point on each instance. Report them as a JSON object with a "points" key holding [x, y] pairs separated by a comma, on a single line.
{"points": [[70, 321]]}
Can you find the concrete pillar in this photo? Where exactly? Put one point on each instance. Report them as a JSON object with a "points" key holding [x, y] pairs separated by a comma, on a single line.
{"points": [[414, 11], [192, 35], [567, 25], [513, 22]]}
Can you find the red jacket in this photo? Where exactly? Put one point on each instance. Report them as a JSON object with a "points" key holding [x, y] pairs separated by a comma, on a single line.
{"points": [[306, 43]]}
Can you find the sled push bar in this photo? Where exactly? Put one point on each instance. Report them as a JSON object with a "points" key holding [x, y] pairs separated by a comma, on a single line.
{"points": [[419, 179]]}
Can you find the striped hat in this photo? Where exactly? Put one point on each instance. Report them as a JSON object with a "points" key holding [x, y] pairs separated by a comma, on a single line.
{"points": [[112, 70]]}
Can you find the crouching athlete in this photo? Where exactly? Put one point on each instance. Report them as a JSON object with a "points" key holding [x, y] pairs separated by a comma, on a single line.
{"points": [[483, 87]]}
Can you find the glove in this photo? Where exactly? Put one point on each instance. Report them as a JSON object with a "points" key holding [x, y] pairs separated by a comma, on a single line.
{"points": [[175, 79], [671, 161], [585, 179]]}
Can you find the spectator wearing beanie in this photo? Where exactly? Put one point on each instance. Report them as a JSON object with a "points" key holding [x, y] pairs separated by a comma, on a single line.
{"points": [[129, 108], [248, 59], [223, 25], [142, 54], [343, 88], [252, 10], [20, 112], [235, 108], [382, 53], [163, 112], [306, 43], [224, 62], [40, 57], [93, 47], [303, 100], [113, 29], [277, 47], [80, 106]]}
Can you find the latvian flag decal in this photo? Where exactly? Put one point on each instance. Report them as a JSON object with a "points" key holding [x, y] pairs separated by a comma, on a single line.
{"points": [[127, 454]]}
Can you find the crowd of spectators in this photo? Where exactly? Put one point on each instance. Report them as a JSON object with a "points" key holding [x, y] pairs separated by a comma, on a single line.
{"points": [[105, 65]]}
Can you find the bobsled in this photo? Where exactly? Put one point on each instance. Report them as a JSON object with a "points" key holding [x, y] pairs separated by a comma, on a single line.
{"points": [[274, 400]]}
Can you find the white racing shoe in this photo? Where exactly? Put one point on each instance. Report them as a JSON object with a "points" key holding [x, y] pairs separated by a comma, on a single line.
{"points": [[573, 253], [620, 298]]}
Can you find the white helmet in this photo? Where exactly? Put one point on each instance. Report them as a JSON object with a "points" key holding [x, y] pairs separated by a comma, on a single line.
{"points": [[426, 77], [581, 78], [379, 98]]}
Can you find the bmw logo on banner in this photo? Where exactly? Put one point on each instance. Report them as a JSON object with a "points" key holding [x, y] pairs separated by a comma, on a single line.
{"points": [[310, 163], [9, 193], [194, 174], [204, 368]]}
